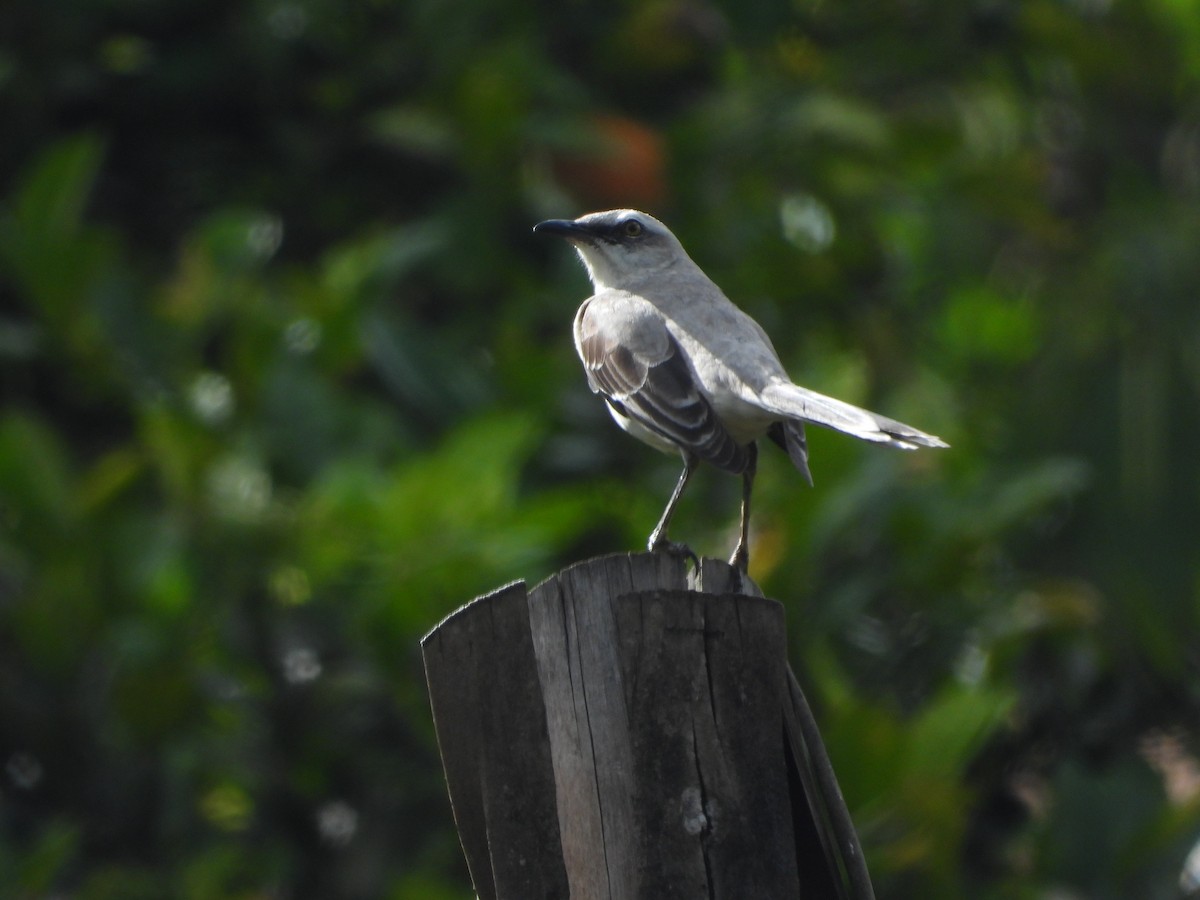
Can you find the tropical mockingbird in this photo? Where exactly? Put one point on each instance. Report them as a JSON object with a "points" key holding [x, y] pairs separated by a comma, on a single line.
{"points": [[685, 370]]}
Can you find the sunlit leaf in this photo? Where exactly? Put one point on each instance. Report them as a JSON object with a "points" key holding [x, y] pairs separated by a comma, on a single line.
{"points": [[947, 734]]}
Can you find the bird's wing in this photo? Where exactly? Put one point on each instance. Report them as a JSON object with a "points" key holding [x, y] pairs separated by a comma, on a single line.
{"points": [[634, 361], [794, 402]]}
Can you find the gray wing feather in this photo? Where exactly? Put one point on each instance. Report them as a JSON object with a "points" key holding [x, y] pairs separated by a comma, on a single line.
{"points": [[634, 361]]}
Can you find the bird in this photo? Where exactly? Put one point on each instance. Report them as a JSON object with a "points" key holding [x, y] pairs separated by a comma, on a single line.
{"points": [[685, 370]]}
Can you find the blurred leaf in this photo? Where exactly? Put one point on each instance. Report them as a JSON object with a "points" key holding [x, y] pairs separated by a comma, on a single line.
{"points": [[419, 132], [43, 865], [35, 480], [227, 806], [844, 120], [110, 476], [983, 326], [48, 207], [45, 247], [369, 267], [1102, 812], [177, 448], [1035, 489], [422, 886], [118, 882], [951, 729], [228, 871], [421, 367], [238, 240]]}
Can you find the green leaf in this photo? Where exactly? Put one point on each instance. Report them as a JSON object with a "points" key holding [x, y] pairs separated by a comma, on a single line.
{"points": [[50, 201], [980, 324], [45, 248], [36, 483], [950, 730]]}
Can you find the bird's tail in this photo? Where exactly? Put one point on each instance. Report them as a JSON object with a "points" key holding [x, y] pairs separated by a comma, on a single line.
{"points": [[794, 402]]}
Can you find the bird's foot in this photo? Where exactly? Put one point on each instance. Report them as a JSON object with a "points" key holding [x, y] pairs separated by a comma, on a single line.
{"points": [[674, 548], [741, 558]]}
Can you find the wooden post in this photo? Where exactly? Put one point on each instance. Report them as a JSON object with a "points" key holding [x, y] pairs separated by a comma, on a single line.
{"points": [[627, 732]]}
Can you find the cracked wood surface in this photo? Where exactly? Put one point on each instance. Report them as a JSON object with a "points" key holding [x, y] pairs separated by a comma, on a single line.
{"points": [[627, 730]]}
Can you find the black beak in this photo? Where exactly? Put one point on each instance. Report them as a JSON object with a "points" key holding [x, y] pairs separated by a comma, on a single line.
{"points": [[563, 228]]}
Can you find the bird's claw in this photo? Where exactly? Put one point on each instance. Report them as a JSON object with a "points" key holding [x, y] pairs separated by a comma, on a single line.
{"points": [[674, 548], [740, 559]]}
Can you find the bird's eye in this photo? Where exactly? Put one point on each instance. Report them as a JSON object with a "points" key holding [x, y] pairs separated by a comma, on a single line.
{"points": [[632, 228]]}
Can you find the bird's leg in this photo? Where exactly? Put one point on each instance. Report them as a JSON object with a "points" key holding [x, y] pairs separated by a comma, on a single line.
{"points": [[658, 537], [741, 553]]}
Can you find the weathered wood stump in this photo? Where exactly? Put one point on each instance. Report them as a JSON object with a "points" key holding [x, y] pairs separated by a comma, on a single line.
{"points": [[624, 731]]}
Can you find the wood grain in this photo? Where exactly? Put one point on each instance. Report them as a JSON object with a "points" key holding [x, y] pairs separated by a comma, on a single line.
{"points": [[630, 730]]}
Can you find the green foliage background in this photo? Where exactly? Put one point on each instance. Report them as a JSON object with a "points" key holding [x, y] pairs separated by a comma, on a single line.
{"points": [[285, 379]]}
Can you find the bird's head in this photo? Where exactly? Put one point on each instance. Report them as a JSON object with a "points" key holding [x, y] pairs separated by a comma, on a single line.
{"points": [[618, 247]]}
